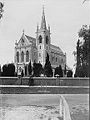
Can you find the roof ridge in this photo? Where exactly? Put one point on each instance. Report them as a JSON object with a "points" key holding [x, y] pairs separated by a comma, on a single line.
{"points": [[29, 36]]}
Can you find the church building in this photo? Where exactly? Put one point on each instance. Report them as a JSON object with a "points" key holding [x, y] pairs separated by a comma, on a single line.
{"points": [[36, 49]]}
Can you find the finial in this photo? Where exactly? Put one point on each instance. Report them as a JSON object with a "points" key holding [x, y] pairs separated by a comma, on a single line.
{"points": [[37, 26], [23, 31]]}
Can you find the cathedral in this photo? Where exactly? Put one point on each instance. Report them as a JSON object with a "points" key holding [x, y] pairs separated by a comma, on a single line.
{"points": [[36, 49]]}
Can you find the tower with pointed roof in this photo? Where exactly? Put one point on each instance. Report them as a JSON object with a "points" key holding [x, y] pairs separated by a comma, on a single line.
{"points": [[43, 40]]}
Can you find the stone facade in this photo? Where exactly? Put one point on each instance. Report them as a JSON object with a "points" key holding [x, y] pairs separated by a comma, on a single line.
{"points": [[36, 49]]}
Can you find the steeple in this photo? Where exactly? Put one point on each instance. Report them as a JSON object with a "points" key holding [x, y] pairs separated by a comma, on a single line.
{"points": [[43, 22]]}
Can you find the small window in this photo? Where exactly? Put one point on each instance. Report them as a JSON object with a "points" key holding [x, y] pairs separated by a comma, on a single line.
{"points": [[61, 60], [40, 39], [27, 56], [39, 54], [40, 47], [56, 59], [17, 56]]}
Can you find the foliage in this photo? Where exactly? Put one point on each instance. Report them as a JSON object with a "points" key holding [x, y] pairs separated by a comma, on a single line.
{"points": [[69, 73], [47, 68], [29, 68], [58, 71], [65, 70], [1, 9], [22, 73], [37, 69], [83, 52], [8, 70]]}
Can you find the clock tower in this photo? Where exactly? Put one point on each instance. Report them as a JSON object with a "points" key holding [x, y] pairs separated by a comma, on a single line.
{"points": [[43, 40]]}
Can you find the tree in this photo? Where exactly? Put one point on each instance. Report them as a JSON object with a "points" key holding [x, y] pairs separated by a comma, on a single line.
{"points": [[37, 69], [58, 71], [29, 68], [69, 73], [65, 70], [1, 9], [11, 69], [8, 70], [5, 70], [47, 68], [83, 52]]}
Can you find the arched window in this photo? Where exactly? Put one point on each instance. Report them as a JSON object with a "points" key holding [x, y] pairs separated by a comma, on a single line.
{"points": [[56, 59], [39, 54], [40, 39], [22, 56], [61, 60], [27, 56], [17, 56]]}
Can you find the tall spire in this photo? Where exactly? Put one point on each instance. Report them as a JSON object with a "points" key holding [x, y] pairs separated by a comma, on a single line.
{"points": [[43, 22]]}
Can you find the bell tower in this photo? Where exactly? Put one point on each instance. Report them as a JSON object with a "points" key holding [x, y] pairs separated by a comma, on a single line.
{"points": [[43, 40]]}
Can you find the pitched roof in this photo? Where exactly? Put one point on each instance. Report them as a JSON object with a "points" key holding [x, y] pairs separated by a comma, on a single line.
{"points": [[31, 39], [56, 48]]}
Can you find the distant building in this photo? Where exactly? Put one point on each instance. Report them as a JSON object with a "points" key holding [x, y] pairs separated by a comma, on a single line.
{"points": [[36, 49]]}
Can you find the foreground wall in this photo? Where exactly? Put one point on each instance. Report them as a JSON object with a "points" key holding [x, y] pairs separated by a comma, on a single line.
{"points": [[41, 81]]}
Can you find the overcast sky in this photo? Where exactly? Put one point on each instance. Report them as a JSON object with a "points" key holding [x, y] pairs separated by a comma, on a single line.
{"points": [[65, 18]]}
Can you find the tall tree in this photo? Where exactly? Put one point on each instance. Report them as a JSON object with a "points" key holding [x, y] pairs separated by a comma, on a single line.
{"points": [[47, 68], [65, 69], [30, 68], [83, 52], [11, 69]]}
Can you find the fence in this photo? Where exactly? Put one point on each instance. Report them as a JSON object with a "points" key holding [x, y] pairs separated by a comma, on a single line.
{"points": [[45, 81]]}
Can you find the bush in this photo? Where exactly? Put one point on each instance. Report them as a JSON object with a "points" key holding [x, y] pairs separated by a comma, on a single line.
{"points": [[58, 71], [8, 70], [69, 73]]}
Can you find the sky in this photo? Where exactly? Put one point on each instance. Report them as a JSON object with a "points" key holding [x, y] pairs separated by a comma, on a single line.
{"points": [[65, 18]]}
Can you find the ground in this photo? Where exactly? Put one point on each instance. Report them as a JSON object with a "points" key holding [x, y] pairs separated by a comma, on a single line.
{"points": [[42, 106]]}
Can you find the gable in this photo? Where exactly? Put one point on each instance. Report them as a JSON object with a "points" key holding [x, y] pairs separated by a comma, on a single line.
{"points": [[23, 41]]}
